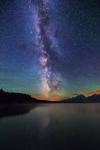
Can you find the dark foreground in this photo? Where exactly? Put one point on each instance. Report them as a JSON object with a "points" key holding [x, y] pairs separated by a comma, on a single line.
{"points": [[50, 127]]}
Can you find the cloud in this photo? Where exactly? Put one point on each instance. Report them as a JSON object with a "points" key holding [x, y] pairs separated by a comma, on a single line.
{"points": [[93, 92]]}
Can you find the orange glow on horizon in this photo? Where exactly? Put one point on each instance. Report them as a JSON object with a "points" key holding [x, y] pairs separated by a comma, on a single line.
{"points": [[47, 98], [93, 93]]}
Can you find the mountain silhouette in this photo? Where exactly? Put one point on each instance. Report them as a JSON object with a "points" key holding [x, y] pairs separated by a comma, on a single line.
{"points": [[76, 99], [94, 98], [6, 97], [82, 99], [9, 98]]}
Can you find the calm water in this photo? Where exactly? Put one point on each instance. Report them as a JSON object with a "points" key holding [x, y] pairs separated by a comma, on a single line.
{"points": [[50, 127]]}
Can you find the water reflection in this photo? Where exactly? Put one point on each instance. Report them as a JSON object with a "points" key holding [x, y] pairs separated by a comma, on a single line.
{"points": [[51, 127]]}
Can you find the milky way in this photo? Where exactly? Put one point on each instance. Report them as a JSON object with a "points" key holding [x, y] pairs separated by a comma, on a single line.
{"points": [[50, 49], [46, 44]]}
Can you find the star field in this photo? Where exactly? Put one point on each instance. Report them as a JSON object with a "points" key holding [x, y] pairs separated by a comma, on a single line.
{"points": [[50, 48]]}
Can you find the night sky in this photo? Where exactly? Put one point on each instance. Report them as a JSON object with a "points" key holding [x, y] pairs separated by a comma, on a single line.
{"points": [[50, 49]]}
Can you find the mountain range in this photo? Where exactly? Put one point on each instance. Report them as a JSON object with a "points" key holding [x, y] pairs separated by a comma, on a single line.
{"points": [[9, 98]]}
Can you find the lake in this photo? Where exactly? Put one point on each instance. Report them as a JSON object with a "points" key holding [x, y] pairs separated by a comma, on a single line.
{"points": [[50, 127]]}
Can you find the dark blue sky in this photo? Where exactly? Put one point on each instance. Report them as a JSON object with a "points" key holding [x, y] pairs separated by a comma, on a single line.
{"points": [[77, 56]]}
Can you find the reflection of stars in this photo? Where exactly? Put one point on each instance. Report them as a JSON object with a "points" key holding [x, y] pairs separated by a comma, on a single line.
{"points": [[44, 117], [46, 122]]}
